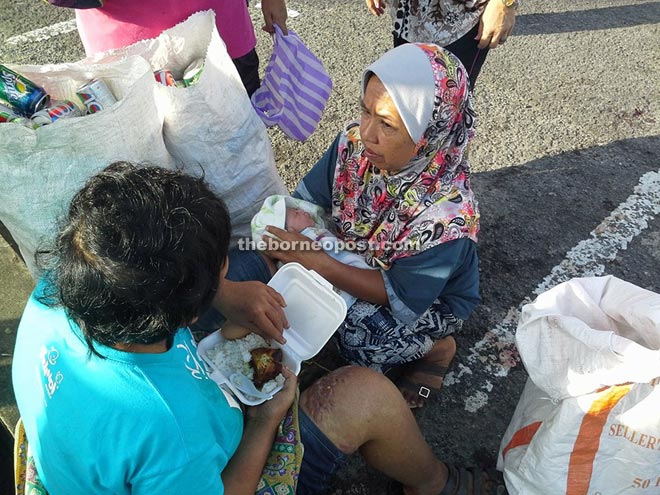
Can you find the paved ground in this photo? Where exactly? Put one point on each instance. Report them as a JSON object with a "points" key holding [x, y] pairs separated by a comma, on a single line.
{"points": [[569, 127]]}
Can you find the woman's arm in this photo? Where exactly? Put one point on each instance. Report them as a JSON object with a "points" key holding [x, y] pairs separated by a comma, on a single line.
{"points": [[496, 24], [449, 270], [243, 472], [362, 283]]}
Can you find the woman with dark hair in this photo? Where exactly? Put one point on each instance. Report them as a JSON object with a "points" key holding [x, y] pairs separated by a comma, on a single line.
{"points": [[112, 394], [128, 290]]}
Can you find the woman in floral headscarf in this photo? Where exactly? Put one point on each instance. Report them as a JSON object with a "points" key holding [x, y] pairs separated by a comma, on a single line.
{"points": [[397, 187]]}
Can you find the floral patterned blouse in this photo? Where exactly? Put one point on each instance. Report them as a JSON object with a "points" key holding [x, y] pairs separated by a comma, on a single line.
{"points": [[434, 21]]}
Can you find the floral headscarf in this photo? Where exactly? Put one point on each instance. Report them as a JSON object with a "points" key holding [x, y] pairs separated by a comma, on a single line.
{"points": [[389, 216]]}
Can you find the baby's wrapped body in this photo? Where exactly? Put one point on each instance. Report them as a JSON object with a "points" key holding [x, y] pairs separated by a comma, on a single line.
{"points": [[333, 247], [296, 215]]}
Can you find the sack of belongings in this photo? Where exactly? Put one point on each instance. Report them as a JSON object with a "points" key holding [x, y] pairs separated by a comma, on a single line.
{"points": [[587, 421], [205, 127]]}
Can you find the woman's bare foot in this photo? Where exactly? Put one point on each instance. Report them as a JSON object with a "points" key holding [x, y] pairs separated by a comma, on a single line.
{"points": [[422, 377]]}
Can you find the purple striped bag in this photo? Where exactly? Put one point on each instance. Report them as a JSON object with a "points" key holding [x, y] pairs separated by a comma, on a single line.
{"points": [[295, 88]]}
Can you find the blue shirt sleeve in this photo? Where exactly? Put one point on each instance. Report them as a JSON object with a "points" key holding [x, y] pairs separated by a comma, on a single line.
{"points": [[449, 271], [316, 186]]}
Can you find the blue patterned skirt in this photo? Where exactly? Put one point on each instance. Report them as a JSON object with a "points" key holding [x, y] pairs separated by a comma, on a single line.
{"points": [[372, 337]]}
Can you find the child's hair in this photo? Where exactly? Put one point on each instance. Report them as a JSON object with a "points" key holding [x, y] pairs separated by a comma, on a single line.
{"points": [[138, 255]]}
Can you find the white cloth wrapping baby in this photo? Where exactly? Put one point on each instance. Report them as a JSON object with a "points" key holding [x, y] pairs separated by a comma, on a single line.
{"points": [[273, 212]]}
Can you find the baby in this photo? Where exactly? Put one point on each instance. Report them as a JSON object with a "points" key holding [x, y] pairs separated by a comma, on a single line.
{"points": [[298, 220]]}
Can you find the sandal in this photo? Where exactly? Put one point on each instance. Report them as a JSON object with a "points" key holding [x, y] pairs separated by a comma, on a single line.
{"points": [[419, 389], [473, 481]]}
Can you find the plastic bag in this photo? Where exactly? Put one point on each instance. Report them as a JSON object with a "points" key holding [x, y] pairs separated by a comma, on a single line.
{"points": [[587, 421], [295, 88], [208, 128]]}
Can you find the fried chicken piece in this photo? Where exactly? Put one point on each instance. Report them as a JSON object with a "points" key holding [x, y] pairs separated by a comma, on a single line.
{"points": [[266, 363]]}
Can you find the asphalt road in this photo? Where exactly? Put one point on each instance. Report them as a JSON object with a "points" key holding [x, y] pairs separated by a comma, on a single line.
{"points": [[569, 126]]}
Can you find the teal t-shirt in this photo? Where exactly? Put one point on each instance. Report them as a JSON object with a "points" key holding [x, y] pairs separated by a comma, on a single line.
{"points": [[127, 424]]}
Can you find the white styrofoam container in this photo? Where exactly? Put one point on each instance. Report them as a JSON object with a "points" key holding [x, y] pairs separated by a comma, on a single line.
{"points": [[314, 312]]}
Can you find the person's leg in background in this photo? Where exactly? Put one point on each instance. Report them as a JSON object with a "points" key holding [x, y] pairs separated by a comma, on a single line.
{"points": [[466, 49], [248, 69]]}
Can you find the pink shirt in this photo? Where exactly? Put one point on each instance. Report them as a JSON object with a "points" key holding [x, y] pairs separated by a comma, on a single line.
{"points": [[123, 22]]}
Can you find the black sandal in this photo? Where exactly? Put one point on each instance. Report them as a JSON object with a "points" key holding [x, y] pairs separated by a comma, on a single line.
{"points": [[419, 388], [473, 481]]}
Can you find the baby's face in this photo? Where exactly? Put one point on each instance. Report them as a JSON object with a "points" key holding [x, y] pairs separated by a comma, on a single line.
{"points": [[297, 219]]}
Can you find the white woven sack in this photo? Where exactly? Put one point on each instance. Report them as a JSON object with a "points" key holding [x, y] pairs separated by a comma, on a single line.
{"points": [[42, 169], [587, 421], [211, 125]]}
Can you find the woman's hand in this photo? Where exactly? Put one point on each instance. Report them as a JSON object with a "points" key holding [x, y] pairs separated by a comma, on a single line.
{"points": [[253, 305], [293, 246], [376, 7], [274, 12], [272, 411], [496, 24]]}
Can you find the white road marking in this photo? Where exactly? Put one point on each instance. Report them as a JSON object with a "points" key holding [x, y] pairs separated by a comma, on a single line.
{"points": [[43, 33], [496, 353]]}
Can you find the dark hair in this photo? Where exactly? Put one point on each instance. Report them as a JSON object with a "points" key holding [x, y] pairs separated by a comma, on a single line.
{"points": [[138, 255]]}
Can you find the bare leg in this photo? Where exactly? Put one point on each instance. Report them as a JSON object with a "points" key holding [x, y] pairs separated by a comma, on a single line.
{"points": [[427, 372], [359, 409]]}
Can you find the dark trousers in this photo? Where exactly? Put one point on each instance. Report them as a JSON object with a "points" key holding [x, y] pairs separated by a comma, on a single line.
{"points": [[466, 49], [248, 69]]}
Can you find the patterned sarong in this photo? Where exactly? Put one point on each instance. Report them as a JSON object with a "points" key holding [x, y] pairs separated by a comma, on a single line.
{"points": [[280, 474], [25, 472]]}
